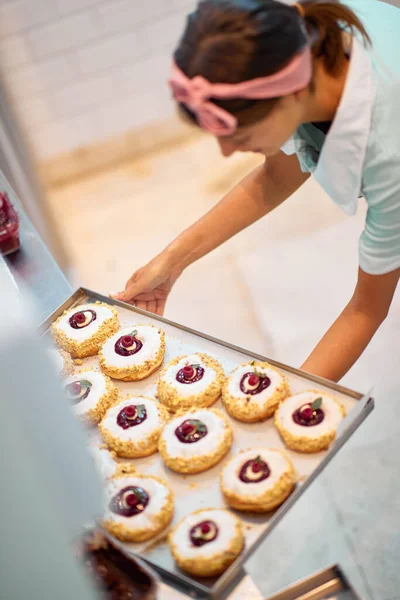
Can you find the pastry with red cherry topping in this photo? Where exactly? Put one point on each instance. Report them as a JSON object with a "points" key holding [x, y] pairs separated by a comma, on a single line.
{"points": [[207, 542], [253, 392], [257, 480], [82, 330], [133, 353], [308, 421], [196, 440], [133, 427], [190, 382], [90, 393], [137, 507]]}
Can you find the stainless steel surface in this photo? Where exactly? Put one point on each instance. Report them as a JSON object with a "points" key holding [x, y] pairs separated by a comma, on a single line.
{"points": [[160, 557], [33, 263], [330, 584]]}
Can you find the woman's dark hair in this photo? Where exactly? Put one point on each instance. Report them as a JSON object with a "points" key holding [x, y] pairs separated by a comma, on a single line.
{"points": [[229, 41]]}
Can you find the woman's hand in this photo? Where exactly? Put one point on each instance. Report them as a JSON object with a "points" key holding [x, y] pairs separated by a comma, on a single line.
{"points": [[149, 287]]}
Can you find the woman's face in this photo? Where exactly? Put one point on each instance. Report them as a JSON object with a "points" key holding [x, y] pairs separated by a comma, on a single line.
{"points": [[270, 134]]}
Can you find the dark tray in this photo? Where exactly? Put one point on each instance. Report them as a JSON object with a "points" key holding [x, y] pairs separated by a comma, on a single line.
{"points": [[110, 568]]}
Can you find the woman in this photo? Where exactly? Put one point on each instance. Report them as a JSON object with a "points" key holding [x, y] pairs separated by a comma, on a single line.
{"points": [[298, 84]]}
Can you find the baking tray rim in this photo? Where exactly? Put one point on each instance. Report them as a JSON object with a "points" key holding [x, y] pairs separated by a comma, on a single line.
{"points": [[329, 580], [181, 581]]}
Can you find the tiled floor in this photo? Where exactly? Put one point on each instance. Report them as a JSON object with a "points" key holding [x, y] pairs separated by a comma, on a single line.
{"points": [[274, 289]]}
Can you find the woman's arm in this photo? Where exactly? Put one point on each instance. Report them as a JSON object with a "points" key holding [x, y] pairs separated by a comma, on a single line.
{"points": [[256, 195], [351, 333]]}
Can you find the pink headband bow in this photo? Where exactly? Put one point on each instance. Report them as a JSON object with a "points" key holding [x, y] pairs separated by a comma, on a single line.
{"points": [[195, 93]]}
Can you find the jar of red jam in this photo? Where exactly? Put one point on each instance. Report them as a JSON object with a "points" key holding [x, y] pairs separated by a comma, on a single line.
{"points": [[9, 226]]}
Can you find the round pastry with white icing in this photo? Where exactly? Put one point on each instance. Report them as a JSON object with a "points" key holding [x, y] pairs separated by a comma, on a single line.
{"points": [[61, 361], [133, 353], [308, 421], [82, 330], [138, 507], [104, 461], [133, 427], [257, 480], [253, 392], [195, 441], [90, 393], [207, 542], [190, 382]]}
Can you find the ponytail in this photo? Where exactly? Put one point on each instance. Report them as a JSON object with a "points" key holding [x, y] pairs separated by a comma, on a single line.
{"points": [[328, 20]]}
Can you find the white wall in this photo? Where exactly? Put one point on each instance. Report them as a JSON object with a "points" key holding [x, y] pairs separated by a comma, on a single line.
{"points": [[79, 71]]}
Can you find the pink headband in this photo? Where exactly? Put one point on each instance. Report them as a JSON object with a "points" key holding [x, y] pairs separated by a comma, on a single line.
{"points": [[195, 93]]}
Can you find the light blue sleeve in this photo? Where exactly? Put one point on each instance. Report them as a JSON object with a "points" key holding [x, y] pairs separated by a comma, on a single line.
{"points": [[379, 248]]}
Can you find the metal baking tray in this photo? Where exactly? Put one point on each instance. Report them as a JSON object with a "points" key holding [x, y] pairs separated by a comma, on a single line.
{"points": [[202, 490], [329, 584]]}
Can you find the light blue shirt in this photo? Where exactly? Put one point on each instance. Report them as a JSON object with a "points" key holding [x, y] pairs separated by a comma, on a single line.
{"points": [[360, 156]]}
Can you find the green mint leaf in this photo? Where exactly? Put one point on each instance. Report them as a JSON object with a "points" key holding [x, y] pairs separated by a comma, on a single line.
{"points": [[85, 383], [260, 375], [317, 403], [139, 495], [134, 333], [196, 366], [140, 410]]}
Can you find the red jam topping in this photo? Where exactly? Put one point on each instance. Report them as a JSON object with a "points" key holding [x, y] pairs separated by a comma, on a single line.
{"points": [[307, 416], [188, 371], [191, 431], [132, 500], [129, 502], [203, 533], [128, 345], [252, 380], [190, 374], [131, 415], [78, 390], [75, 388], [254, 471], [82, 319], [186, 428], [126, 341], [9, 226]]}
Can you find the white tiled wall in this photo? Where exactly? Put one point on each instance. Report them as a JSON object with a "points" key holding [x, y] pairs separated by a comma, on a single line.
{"points": [[80, 71]]}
